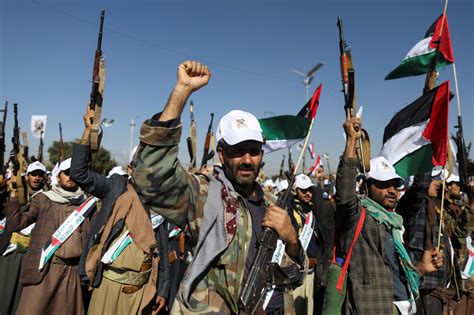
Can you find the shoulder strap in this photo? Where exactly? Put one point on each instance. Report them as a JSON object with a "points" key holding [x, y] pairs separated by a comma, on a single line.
{"points": [[345, 266]]}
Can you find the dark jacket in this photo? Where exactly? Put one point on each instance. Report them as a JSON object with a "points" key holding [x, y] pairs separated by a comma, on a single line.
{"points": [[370, 283], [109, 190]]}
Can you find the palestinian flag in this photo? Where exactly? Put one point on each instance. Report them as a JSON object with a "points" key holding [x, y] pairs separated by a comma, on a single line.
{"points": [[419, 58], [282, 132], [416, 138]]}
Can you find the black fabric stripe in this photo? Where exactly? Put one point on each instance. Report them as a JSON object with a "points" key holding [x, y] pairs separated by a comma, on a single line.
{"points": [[415, 113], [431, 30]]}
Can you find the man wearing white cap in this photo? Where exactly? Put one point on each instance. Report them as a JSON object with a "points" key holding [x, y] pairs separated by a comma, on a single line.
{"points": [[381, 274], [422, 235], [18, 242], [226, 211], [55, 288], [35, 177]]}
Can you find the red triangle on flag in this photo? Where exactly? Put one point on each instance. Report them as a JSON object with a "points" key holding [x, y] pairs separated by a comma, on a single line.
{"points": [[313, 108], [445, 47]]}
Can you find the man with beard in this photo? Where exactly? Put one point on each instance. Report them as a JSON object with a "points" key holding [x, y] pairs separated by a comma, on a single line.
{"points": [[226, 211], [381, 277], [55, 289], [439, 287]]}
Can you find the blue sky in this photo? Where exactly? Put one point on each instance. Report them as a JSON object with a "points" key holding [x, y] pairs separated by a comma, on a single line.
{"points": [[47, 50]]}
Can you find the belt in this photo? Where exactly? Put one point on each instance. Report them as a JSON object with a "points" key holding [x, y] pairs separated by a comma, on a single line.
{"points": [[132, 280], [312, 262], [65, 261]]}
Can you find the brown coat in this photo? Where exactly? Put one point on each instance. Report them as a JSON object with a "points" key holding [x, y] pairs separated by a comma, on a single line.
{"points": [[48, 216], [137, 221]]}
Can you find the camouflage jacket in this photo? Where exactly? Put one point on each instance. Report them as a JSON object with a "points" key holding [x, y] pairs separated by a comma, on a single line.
{"points": [[212, 282]]}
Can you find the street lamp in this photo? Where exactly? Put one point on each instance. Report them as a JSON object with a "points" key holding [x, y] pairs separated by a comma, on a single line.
{"points": [[307, 78]]}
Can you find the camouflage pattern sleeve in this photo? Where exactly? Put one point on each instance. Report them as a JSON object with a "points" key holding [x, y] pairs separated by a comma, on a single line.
{"points": [[162, 183]]}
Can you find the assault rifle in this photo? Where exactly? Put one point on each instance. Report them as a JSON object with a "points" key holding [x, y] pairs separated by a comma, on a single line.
{"points": [[464, 164], [348, 88], [2, 144], [19, 163], [40, 148], [26, 147], [191, 140], [61, 144], [264, 273], [282, 167], [96, 97], [208, 154]]}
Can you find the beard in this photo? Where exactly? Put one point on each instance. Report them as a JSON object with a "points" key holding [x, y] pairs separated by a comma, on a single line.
{"points": [[232, 172]]}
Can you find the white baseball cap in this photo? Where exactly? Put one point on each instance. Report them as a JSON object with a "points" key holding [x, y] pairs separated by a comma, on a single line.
{"points": [[35, 166], [382, 170], [303, 182], [65, 165], [237, 126], [437, 174], [282, 185], [117, 170]]}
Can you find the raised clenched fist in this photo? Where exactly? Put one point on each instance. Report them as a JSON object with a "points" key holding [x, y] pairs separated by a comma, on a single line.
{"points": [[193, 75]]}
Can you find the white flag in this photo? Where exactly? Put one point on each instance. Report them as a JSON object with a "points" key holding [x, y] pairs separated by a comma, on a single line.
{"points": [[38, 125]]}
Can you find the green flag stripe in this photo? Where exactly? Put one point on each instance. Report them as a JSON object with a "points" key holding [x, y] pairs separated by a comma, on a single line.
{"points": [[285, 127], [415, 163], [416, 66]]}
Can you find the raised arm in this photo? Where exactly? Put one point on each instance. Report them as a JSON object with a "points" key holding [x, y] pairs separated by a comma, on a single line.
{"points": [[160, 180], [91, 182]]}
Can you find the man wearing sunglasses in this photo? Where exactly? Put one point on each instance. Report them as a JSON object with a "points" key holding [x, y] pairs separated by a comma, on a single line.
{"points": [[381, 277], [226, 210]]}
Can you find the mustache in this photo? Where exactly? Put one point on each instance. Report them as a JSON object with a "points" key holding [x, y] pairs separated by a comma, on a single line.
{"points": [[247, 167]]}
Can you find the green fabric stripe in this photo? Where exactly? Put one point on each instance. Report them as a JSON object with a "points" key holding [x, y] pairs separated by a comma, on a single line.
{"points": [[415, 163], [285, 127], [416, 66]]}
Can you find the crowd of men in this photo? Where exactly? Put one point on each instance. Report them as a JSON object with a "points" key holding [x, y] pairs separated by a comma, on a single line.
{"points": [[159, 238]]}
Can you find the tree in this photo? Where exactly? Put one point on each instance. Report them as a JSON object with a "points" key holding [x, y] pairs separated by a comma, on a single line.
{"points": [[101, 160]]}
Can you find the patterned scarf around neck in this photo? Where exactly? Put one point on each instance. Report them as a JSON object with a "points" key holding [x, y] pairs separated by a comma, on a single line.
{"points": [[394, 222], [59, 195]]}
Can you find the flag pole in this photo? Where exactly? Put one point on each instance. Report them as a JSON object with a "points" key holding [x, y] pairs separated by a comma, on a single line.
{"points": [[441, 217], [441, 214], [304, 146]]}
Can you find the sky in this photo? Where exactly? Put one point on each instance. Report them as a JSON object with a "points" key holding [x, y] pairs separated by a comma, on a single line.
{"points": [[47, 50]]}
